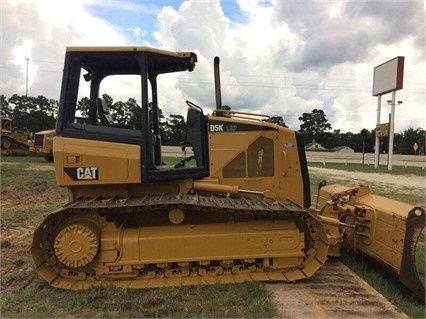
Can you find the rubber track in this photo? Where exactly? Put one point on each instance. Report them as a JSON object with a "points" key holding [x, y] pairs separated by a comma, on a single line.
{"points": [[52, 271]]}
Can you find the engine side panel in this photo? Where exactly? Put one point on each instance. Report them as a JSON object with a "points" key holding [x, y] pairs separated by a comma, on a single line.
{"points": [[258, 156]]}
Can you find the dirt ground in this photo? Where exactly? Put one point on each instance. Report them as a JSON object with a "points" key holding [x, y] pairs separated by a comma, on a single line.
{"points": [[334, 293], [16, 232], [414, 181]]}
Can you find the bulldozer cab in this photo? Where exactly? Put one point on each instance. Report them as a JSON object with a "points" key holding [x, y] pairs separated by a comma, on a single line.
{"points": [[95, 78], [6, 124]]}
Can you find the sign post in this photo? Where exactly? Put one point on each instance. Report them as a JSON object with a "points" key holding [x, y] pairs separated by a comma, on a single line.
{"points": [[391, 131], [377, 145], [388, 77]]}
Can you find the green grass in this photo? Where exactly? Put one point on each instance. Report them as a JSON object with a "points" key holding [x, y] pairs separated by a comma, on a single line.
{"points": [[396, 170], [385, 284], [20, 184], [13, 175], [34, 214], [170, 160], [421, 258], [217, 301], [220, 301], [402, 193], [24, 159], [13, 167]]}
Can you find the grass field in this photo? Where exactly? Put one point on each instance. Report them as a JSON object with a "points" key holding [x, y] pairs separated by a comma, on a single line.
{"points": [[28, 192]]}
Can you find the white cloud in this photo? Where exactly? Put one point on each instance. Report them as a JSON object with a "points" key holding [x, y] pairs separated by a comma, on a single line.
{"points": [[21, 58], [49, 26], [284, 57], [136, 32], [337, 68]]}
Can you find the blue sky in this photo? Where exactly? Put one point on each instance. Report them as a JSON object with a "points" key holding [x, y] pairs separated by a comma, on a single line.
{"points": [[278, 57], [128, 15]]}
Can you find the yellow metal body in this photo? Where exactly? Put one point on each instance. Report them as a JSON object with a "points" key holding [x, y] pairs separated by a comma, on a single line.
{"points": [[267, 160], [43, 144], [88, 162], [241, 212], [118, 228], [12, 138]]}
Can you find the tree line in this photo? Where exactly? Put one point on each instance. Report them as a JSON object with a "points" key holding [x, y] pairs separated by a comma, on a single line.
{"points": [[38, 114]]}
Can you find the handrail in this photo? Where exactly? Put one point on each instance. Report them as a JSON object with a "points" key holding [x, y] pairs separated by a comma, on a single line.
{"points": [[242, 115]]}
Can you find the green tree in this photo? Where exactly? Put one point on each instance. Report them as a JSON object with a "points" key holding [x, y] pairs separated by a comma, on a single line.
{"points": [[366, 141], [174, 130], [330, 140], [83, 106], [128, 113], [6, 109], [33, 113], [135, 114], [409, 137], [161, 122], [47, 106], [119, 112], [314, 125], [278, 120]]}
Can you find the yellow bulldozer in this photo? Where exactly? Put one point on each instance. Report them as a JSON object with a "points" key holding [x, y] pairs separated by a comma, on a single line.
{"points": [[43, 144], [13, 140], [236, 207]]}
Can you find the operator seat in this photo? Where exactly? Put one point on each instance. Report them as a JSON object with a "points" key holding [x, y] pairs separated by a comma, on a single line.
{"points": [[195, 121], [103, 111]]}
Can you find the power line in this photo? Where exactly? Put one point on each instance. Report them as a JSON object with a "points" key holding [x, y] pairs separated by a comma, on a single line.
{"points": [[299, 86], [40, 69], [255, 84]]}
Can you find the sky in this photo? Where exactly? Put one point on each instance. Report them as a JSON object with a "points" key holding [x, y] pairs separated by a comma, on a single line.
{"points": [[278, 57]]}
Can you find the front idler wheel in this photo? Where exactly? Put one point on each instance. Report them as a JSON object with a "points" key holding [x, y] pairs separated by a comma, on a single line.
{"points": [[77, 245]]}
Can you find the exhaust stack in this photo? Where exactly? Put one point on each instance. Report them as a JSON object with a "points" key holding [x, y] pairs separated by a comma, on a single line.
{"points": [[217, 83]]}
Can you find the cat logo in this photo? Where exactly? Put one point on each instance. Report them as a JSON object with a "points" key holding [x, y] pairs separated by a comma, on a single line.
{"points": [[81, 174], [87, 173]]}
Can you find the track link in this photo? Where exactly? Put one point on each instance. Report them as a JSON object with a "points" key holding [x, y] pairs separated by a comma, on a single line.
{"points": [[102, 241]]}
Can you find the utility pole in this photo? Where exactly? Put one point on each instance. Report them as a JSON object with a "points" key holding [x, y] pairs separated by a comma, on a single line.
{"points": [[26, 79], [391, 128]]}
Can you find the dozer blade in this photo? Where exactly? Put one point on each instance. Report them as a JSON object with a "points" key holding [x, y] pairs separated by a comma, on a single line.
{"points": [[388, 231], [409, 273]]}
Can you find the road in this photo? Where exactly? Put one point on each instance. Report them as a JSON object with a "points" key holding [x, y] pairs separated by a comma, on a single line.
{"points": [[347, 157]]}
